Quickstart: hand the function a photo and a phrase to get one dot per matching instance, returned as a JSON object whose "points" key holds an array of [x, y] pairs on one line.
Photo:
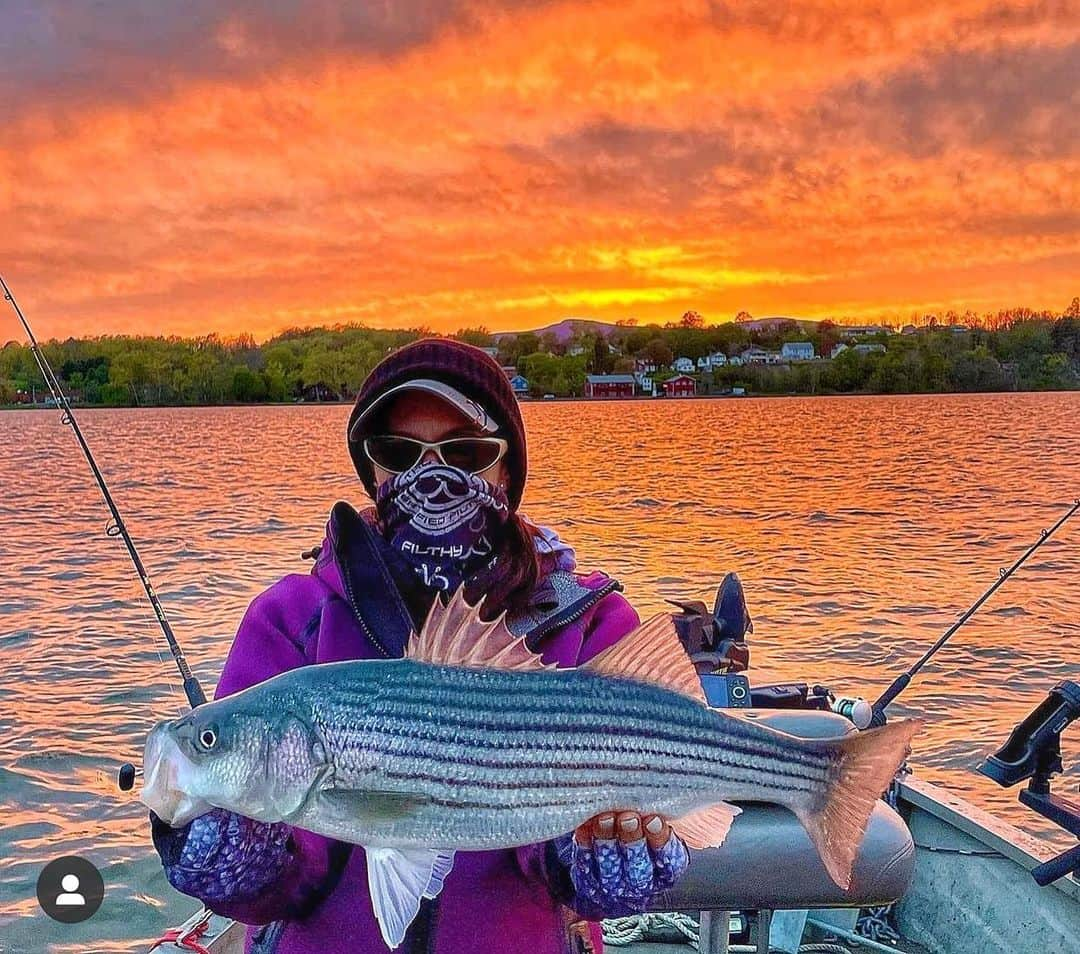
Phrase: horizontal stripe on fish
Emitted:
{"points": [[536, 793], [668, 723], [415, 687], [684, 760], [629, 734]]}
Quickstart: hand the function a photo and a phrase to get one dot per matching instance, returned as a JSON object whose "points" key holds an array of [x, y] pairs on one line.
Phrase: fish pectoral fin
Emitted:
{"points": [[707, 827], [398, 878], [385, 806]]}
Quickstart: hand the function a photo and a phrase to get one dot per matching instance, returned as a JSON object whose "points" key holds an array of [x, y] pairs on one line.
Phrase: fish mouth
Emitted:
{"points": [[167, 774]]}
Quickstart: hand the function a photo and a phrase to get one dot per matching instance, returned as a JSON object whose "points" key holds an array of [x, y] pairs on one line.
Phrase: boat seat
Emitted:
{"points": [[768, 862]]}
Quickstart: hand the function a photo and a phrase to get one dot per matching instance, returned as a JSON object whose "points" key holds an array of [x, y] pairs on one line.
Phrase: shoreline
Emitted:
{"points": [[556, 400]]}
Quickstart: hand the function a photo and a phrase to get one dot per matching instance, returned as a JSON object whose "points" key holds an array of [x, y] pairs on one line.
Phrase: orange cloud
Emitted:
{"points": [[507, 164]]}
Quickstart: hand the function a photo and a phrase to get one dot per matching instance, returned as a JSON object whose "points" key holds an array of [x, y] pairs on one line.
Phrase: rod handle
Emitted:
{"points": [[1049, 871], [194, 692], [901, 683]]}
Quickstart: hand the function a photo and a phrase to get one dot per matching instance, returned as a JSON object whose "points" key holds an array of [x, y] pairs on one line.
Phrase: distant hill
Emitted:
{"points": [[772, 322], [564, 330]]}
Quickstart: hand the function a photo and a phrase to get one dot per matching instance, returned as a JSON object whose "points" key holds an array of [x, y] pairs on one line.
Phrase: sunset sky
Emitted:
{"points": [[229, 166]]}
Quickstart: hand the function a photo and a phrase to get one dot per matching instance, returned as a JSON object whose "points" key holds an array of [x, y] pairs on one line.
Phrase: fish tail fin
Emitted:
{"points": [[836, 820]]}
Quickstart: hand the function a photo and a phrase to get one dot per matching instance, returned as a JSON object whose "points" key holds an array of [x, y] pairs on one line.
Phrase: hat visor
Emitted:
{"points": [[472, 411]]}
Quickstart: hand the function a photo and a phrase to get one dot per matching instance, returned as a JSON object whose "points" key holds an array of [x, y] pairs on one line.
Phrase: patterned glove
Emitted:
{"points": [[221, 856], [614, 879]]}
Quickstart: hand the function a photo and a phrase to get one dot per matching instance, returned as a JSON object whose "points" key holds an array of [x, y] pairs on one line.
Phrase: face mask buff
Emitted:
{"points": [[442, 520]]}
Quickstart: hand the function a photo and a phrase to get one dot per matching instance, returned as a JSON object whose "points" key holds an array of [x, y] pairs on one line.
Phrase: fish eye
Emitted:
{"points": [[207, 738]]}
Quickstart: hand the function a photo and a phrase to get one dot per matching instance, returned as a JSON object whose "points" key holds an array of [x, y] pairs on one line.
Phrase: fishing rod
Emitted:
{"points": [[116, 527], [902, 681]]}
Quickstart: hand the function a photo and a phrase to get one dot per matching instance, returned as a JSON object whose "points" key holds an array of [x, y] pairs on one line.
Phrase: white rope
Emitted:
{"points": [[618, 932]]}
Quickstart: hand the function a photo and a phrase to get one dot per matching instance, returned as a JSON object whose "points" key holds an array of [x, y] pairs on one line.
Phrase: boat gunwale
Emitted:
{"points": [[1017, 846]]}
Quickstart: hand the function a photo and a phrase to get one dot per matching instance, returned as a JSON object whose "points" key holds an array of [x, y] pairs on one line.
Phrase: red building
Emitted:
{"points": [[609, 385], [682, 385]]}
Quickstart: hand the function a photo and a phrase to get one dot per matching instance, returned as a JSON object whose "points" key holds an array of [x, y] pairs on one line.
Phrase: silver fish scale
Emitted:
{"points": [[485, 758]]}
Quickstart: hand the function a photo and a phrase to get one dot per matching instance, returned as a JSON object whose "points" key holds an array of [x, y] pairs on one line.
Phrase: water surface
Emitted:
{"points": [[861, 528]]}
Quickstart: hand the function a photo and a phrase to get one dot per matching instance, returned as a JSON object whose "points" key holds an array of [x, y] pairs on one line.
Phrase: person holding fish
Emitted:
{"points": [[444, 739], [437, 439]]}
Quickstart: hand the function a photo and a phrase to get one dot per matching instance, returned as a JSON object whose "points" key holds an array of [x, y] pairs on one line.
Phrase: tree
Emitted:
{"points": [[478, 336], [549, 342], [691, 319], [658, 352], [744, 316], [828, 337], [1065, 335], [601, 360], [248, 385], [976, 370], [555, 374]]}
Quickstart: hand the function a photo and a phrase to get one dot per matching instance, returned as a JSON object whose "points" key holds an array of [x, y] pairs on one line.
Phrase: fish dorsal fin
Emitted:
{"points": [[454, 635], [651, 653], [707, 827]]}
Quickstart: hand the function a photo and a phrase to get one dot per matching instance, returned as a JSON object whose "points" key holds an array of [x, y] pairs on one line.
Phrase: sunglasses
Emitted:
{"points": [[471, 454]]}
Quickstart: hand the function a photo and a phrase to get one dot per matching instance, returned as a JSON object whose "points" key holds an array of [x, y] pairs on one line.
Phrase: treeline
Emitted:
{"points": [[930, 362], [1010, 350], [313, 364], [1018, 349]]}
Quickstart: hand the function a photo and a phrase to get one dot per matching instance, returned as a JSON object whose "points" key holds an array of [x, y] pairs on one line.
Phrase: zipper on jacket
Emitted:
{"points": [[346, 577], [575, 613]]}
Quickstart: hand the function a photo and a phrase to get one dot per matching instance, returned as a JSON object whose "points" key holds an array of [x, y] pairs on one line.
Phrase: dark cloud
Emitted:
{"points": [[62, 52], [1016, 101], [625, 164], [1020, 103]]}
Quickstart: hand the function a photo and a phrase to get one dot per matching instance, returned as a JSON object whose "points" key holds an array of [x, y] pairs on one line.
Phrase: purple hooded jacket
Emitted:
{"points": [[492, 901]]}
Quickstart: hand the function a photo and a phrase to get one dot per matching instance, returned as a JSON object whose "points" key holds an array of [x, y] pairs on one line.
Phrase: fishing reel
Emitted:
{"points": [[1033, 751]]}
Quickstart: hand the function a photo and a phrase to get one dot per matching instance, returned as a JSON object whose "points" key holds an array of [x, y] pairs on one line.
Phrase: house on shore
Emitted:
{"points": [[797, 351], [757, 355], [609, 385], [858, 331], [645, 383], [683, 365], [863, 349], [682, 385], [520, 385], [715, 360]]}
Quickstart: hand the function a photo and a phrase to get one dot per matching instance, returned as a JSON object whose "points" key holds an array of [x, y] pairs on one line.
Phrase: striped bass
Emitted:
{"points": [[470, 742]]}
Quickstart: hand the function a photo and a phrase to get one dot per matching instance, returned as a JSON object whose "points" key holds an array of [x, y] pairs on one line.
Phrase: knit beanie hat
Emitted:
{"points": [[464, 368]]}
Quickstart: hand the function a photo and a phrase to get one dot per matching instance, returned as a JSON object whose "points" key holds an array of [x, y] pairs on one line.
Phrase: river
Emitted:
{"points": [[861, 527]]}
